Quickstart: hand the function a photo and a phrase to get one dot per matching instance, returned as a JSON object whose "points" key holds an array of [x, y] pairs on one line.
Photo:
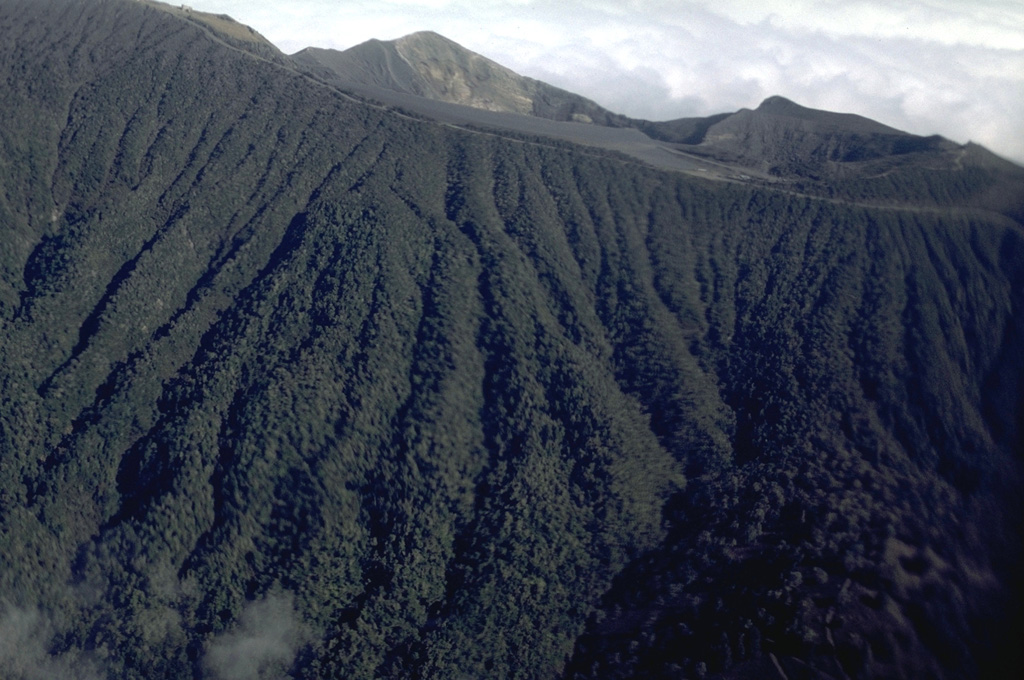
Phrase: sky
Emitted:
{"points": [[949, 67]]}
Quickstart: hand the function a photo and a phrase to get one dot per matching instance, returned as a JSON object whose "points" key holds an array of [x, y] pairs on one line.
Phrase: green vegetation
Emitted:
{"points": [[369, 396]]}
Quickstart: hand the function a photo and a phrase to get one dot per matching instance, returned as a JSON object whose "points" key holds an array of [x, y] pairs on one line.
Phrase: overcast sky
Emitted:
{"points": [[949, 67]]}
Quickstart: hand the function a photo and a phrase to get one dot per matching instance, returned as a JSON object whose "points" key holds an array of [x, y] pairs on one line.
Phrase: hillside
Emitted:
{"points": [[428, 65], [296, 384], [782, 139]]}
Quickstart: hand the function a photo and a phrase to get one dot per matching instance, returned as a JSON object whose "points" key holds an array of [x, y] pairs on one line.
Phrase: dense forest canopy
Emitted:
{"points": [[298, 384]]}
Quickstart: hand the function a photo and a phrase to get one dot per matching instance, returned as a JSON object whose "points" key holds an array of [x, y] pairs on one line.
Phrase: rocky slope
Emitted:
{"points": [[429, 65]]}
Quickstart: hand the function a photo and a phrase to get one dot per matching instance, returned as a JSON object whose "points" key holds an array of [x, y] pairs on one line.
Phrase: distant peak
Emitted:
{"points": [[434, 45], [424, 34], [777, 103], [430, 37]]}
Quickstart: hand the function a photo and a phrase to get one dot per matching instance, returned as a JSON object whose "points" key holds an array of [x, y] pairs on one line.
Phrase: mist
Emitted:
{"points": [[262, 645], [24, 655]]}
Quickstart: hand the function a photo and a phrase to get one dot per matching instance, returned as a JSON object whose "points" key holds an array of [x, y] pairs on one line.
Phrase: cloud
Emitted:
{"points": [[990, 23], [24, 635], [262, 646]]}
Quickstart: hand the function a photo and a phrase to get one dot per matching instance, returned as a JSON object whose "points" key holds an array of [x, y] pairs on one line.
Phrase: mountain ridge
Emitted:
{"points": [[779, 141]]}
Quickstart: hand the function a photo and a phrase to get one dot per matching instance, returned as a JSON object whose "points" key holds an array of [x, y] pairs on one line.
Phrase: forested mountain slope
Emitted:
{"points": [[296, 385]]}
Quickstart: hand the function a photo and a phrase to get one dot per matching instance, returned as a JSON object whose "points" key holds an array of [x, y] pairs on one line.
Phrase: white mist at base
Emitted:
{"points": [[24, 636], [261, 646]]}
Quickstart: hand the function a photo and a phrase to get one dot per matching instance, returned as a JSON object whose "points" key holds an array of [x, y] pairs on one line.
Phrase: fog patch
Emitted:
{"points": [[24, 655], [262, 645]]}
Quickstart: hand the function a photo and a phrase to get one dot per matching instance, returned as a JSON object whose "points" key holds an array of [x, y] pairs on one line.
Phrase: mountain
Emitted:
{"points": [[783, 139], [780, 142], [429, 65], [299, 384]]}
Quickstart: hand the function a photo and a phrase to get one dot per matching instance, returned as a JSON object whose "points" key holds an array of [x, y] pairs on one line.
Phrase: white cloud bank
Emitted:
{"points": [[949, 67]]}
